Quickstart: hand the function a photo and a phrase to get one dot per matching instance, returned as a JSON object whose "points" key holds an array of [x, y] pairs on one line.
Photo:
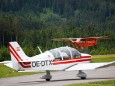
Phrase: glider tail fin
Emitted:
{"points": [[17, 55]]}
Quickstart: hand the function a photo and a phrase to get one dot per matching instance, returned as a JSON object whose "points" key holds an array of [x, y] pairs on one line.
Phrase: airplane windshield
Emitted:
{"points": [[63, 53]]}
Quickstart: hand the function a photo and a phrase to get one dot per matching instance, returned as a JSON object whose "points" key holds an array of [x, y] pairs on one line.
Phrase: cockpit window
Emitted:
{"points": [[56, 54], [63, 53]]}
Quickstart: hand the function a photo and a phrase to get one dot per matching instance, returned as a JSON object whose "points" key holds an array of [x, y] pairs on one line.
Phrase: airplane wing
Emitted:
{"points": [[89, 66], [101, 37], [74, 39], [67, 39], [62, 39]]}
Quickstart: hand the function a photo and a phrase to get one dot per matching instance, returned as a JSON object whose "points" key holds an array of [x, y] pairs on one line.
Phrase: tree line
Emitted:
{"points": [[35, 22]]}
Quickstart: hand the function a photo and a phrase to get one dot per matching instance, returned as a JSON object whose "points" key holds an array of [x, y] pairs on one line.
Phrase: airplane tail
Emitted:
{"points": [[17, 56]]}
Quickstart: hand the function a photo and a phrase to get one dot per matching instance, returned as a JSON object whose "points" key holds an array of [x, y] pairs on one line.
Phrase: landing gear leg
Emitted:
{"points": [[82, 74], [48, 76]]}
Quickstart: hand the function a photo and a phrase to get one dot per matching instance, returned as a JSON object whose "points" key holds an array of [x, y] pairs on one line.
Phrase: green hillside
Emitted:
{"points": [[36, 22]]}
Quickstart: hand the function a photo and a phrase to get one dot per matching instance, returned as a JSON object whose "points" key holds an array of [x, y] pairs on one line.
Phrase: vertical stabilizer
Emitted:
{"points": [[17, 55]]}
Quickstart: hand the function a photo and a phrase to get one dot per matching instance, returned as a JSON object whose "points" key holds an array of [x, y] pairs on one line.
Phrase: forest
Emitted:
{"points": [[34, 23]]}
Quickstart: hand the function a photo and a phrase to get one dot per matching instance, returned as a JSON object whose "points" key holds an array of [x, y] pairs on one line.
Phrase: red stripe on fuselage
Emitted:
{"points": [[81, 59], [24, 66], [85, 56], [26, 63]]}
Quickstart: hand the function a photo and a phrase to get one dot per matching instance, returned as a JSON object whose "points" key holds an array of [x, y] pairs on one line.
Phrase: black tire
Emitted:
{"points": [[83, 77], [47, 79]]}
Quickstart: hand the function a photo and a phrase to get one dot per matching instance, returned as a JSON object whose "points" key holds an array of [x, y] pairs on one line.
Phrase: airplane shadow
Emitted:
{"points": [[61, 80]]}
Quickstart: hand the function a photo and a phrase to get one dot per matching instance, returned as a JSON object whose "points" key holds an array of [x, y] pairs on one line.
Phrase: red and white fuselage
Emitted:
{"points": [[56, 59]]}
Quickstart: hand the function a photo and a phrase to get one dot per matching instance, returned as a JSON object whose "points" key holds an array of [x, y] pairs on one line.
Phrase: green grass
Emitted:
{"points": [[97, 83], [103, 58], [8, 72]]}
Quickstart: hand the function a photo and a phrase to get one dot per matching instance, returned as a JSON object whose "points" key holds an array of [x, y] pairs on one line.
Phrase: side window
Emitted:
{"points": [[76, 54], [59, 58], [56, 54], [65, 56]]}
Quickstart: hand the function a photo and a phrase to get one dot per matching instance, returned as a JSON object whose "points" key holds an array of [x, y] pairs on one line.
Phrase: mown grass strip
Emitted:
{"points": [[97, 83], [103, 58], [8, 72]]}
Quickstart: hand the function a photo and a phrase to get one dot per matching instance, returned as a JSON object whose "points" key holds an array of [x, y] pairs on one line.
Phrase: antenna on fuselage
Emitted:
{"points": [[39, 49]]}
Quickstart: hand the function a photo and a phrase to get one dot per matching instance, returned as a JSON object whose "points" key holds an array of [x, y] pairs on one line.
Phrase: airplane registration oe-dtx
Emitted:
{"points": [[62, 58]]}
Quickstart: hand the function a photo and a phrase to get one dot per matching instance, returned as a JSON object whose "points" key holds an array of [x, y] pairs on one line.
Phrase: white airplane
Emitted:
{"points": [[62, 58]]}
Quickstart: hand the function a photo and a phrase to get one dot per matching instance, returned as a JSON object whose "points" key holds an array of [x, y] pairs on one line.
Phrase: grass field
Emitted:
{"points": [[8, 72], [97, 83], [103, 58]]}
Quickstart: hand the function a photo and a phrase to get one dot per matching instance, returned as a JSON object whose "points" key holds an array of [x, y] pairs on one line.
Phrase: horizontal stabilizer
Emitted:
{"points": [[9, 65], [5, 62]]}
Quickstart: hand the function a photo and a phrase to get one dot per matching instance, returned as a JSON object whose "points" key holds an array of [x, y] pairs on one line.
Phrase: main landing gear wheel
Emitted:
{"points": [[82, 74], [83, 77], [47, 77]]}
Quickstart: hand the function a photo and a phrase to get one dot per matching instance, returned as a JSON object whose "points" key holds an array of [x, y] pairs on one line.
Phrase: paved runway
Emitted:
{"points": [[60, 78]]}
